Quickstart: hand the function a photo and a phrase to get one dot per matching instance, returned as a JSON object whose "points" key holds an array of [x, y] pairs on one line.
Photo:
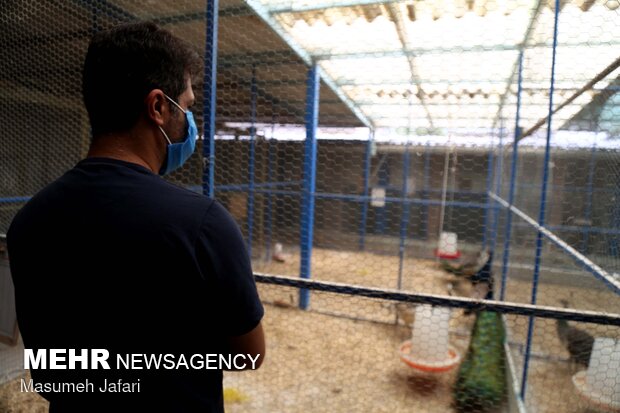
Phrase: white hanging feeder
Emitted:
{"points": [[429, 350], [599, 385], [447, 247]]}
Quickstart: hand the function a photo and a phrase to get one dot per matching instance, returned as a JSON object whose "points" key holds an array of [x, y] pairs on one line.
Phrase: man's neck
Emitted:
{"points": [[114, 147]]}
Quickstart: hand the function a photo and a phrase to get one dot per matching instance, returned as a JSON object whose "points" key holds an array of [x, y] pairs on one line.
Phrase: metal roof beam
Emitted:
{"points": [[446, 50], [515, 67], [108, 9], [414, 52], [613, 66], [401, 31], [267, 17], [324, 5], [389, 84], [270, 58], [236, 11]]}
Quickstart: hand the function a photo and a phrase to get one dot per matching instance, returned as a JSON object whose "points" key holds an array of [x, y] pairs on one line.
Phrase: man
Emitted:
{"points": [[112, 256]]}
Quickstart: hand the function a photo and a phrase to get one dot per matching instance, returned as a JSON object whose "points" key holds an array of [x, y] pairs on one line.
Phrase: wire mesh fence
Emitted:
{"points": [[402, 145]]}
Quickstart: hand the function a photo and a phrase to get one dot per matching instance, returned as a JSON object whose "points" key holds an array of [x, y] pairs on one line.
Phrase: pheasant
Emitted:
{"points": [[579, 343]]}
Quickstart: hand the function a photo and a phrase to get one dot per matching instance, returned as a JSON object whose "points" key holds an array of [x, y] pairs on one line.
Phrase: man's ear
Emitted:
{"points": [[156, 110]]}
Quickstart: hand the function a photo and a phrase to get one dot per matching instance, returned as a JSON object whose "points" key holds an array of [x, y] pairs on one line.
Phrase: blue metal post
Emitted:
{"points": [[498, 184], [513, 178], [250, 212], [209, 90], [614, 241], [268, 217], [384, 182], [588, 208], [367, 159], [427, 174], [309, 184], [543, 205], [489, 187], [404, 218]]}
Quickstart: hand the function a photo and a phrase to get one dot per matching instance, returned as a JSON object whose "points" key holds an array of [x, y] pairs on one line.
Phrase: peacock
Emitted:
{"points": [[579, 343], [481, 382]]}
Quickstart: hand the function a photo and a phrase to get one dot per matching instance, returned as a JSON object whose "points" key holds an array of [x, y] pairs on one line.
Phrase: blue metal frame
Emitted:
{"points": [[361, 198], [490, 163], [498, 184], [367, 161], [588, 208], [250, 211], [384, 181], [404, 218], [579, 258], [543, 205], [14, 199], [570, 188], [310, 154], [268, 213], [427, 174], [614, 242], [513, 178], [209, 90], [244, 187]]}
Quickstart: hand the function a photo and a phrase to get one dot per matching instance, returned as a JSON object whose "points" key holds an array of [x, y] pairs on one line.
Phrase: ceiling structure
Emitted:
{"points": [[437, 67], [422, 67]]}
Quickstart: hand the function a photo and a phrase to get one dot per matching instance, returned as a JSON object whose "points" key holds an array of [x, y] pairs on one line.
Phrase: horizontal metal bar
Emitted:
{"points": [[261, 191], [257, 185], [502, 307], [404, 103], [570, 188], [574, 228], [601, 274], [320, 56], [269, 57], [235, 11], [454, 82], [411, 201], [181, 18], [14, 199], [362, 198]]}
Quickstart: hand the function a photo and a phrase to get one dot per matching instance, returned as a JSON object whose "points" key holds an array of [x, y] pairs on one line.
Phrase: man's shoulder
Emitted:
{"points": [[174, 193]]}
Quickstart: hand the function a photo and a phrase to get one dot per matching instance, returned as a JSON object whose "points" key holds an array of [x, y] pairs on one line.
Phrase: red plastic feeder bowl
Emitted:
{"points": [[452, 359]]}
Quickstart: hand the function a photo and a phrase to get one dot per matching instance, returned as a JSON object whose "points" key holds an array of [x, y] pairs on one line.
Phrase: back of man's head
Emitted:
{"points": [[124, 64]]}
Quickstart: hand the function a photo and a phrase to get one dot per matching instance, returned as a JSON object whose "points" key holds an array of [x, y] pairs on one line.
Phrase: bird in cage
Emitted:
{"points": [[405, 312], [467, 267], [579, 343], [278, 253], [477, 271]]}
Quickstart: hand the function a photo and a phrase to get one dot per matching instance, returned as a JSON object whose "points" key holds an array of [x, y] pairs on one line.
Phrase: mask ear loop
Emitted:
{"points": [[165, 135], [177, 105], [182, 110]]}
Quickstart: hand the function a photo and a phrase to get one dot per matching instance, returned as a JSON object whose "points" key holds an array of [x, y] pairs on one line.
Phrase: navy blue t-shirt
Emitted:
{"points": [[112, 256]]}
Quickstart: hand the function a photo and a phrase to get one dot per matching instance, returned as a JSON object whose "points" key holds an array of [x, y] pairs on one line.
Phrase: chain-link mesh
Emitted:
{"points": [[407, 178]]}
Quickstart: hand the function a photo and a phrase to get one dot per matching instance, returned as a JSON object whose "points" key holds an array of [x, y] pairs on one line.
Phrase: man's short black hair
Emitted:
{"points": [[124, 64]]}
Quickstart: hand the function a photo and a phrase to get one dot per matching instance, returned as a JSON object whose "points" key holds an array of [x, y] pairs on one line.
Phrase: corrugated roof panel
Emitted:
{"points": [[454, 59], [368, 69], [493, 30], [360, 36]]}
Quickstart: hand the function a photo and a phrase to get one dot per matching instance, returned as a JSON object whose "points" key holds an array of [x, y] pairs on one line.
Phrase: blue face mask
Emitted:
{"points": [[178, 153]]}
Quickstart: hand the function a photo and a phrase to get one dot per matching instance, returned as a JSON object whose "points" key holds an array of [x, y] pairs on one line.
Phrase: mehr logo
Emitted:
{"points": [[63, 359]]}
